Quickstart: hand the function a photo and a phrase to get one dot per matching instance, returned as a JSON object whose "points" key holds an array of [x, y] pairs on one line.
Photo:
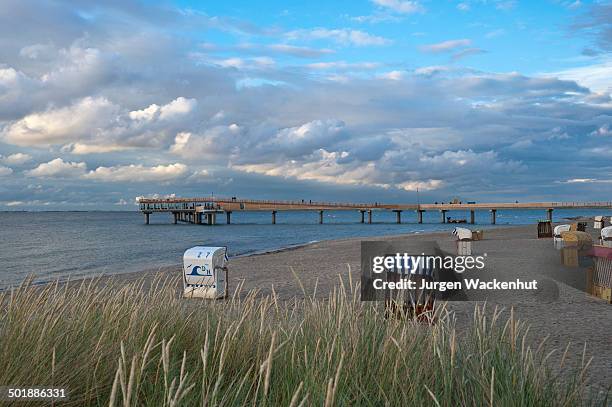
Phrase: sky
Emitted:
{"points": [[102, 102]]}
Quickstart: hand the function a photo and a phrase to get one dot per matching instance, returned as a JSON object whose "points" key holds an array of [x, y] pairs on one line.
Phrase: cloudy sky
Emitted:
{"points": [[368, 100]]}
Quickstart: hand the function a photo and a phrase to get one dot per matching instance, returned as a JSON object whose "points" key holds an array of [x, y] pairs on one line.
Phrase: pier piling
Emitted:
{"points": [[420, 215], [362, 212], [493, 213], [370, 216], [228, 216], [443, 215], [472, 216], [549, 214], [398, 216], [320, 217], [274, 217]]}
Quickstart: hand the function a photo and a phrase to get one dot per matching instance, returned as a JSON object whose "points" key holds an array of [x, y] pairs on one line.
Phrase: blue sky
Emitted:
{"points": [[102, 102]]}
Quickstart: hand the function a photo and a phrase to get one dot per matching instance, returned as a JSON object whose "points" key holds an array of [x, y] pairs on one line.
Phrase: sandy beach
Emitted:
{"points": [[567, 316]]}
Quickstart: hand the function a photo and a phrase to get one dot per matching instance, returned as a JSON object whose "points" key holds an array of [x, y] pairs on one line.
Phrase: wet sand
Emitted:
{"points": [[566, 314]]}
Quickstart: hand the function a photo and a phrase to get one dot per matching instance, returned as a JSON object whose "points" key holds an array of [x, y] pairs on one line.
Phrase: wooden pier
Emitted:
{"points": [[205, 210]]}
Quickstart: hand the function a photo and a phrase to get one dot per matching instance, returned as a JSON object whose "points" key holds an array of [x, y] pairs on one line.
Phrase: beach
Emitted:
{"points": [[567, 316]]}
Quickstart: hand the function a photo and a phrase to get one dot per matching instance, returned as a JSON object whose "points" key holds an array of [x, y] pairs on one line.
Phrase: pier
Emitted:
{"points": [[204, 211]]}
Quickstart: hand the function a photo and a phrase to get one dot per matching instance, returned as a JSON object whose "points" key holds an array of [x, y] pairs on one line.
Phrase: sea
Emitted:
{"points": [[49, 246]]}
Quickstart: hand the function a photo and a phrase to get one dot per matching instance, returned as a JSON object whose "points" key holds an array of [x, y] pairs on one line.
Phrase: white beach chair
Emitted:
{"points": [[464, 241], [557, 233], [606, 236]]}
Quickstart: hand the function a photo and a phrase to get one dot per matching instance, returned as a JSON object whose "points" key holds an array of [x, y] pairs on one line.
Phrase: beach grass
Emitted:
{"points": [[111, 343]]}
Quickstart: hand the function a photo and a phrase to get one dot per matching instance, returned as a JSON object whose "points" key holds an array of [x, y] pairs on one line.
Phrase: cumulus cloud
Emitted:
{"points": [[428, 185], [138, 173], [65, 124], [58, 168], [16, 159], [178, 107], [320, 166], [97, 125], [4, 171]]}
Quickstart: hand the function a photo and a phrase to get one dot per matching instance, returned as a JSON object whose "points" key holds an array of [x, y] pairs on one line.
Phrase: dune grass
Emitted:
{"points": [[117, 344]]}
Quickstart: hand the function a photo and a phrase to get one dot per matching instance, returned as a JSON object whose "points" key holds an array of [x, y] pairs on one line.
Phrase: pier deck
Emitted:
{"points": [[205, 210]]}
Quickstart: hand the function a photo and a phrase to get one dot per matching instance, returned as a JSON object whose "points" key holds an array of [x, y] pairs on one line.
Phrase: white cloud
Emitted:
{"points": [[16, 159], [392, 75], [400, 6], [463, 6], [138, 173], [595, 77], [87, 116], [4, 171], [214, 144], [146, 114], [180, 143], [97, 125], [58, 168], [321, 166], [428, 185], [178, 107], [344, 36], [603, 131], [580, 180], [84, 148], [446, 46]]}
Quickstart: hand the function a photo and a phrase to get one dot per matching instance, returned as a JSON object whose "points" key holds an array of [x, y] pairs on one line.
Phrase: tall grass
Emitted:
{"points": [[128, 345]]}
